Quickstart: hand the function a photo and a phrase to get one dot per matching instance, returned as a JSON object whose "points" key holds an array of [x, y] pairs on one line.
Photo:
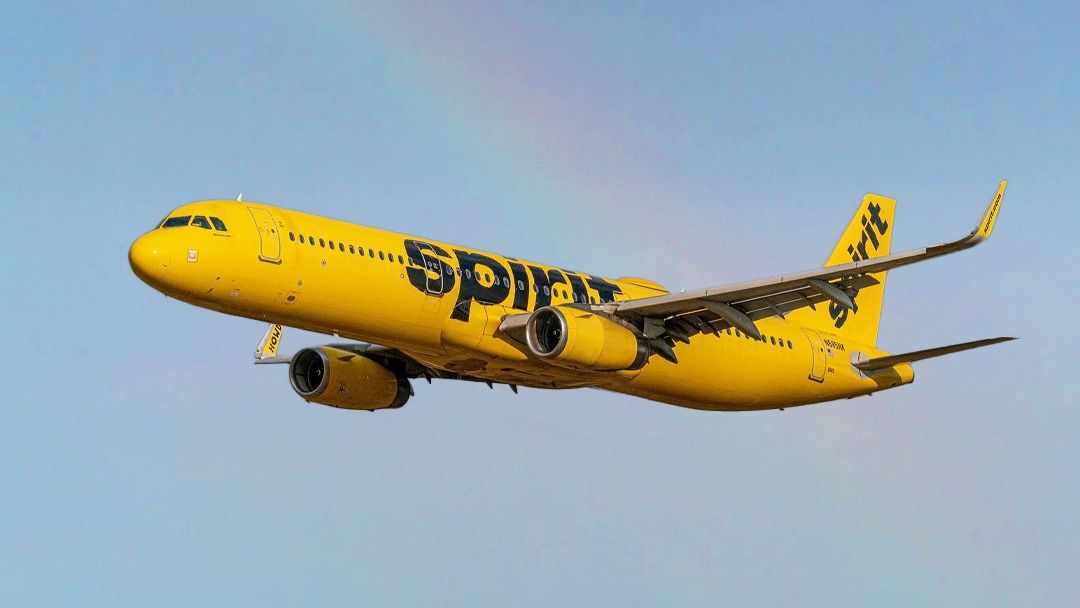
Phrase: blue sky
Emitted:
{"points": [[146, 460]]}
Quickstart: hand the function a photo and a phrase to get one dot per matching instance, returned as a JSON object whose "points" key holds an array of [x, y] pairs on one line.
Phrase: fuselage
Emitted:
{"points": [[442, 304]]}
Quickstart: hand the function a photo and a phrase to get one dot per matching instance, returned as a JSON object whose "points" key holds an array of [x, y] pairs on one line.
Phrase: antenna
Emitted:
{"points": [[240, 197]]}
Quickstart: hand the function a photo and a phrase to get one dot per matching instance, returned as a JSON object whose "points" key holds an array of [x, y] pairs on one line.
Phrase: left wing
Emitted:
{"points": [[391, 358]]}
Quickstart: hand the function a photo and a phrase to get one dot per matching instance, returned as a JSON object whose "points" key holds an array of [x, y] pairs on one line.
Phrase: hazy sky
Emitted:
{"points": [[145, 461]]}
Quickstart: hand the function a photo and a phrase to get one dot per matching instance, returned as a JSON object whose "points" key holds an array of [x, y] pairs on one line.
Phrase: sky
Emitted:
{"points": [[145, 461]]}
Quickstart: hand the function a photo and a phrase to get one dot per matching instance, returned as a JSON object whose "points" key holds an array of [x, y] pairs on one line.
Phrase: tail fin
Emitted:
{"points": [[868, 235]]}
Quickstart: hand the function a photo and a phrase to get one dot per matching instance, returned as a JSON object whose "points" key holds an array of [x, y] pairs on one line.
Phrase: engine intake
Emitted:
{"points": [[339, 378], [579, 339]]}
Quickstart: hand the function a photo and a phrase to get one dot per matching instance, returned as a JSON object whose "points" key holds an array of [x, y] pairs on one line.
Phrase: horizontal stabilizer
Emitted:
{"points": [[891, 360]]}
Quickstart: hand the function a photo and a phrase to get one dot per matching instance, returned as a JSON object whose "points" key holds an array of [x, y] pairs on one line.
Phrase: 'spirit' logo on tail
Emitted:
{"points": [[873, 226]]}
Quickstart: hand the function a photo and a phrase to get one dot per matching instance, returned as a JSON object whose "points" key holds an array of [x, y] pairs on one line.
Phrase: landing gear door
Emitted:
{"points": [[269, 238], [817, 349]]}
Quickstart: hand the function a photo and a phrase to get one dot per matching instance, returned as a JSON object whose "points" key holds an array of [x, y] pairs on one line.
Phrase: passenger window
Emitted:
{"points": [[322, 243], [218, 224], [311, 241], [789, 344], [773, 340], [738, 334], [506, 282], [351, 249], [201, 222], [331, 244], [360, 250], [401, 260], [292, 237], [546, 291], [371, 253], [381, 256], [301, 239], [341, 246], [176, 222]]}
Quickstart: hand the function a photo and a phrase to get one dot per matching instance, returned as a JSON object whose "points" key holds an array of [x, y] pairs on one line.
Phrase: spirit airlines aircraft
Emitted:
{"points": [[424, 308]]}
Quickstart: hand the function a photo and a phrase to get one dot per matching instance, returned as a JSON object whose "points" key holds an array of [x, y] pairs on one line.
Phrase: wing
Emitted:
{"points": [[665, 319], [392, 358]]}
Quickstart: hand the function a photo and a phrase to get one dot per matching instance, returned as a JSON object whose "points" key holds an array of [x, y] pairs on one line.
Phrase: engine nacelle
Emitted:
{"points": [[339, 378], [579, 339]]}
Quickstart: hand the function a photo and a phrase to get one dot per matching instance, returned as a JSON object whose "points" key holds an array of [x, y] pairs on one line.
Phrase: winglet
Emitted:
{"points": [[986, 225], [268, 347]]}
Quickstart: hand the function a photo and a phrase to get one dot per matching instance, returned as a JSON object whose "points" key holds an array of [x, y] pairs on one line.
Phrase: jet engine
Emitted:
{"points": [[339, 378], [569, 337]]}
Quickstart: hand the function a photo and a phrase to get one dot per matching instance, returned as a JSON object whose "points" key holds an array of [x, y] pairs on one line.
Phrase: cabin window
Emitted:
{"points": [[520, 285], [352, 249], [322, 243], [401, 260], [292, 237], [218, 224], [176, 222], [789, 344], [311, 241], [201, 222], [360, 250], [371, 253], [773, 340], [381, 257], [547, 292], [301, 239], [331, 244]]}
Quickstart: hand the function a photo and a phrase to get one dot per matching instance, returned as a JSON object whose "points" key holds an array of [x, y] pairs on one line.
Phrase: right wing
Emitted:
{"points": [[665, 319]]}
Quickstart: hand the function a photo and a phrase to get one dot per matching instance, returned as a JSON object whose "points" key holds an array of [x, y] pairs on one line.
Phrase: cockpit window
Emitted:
{"points": [[218, 224], [201, 222], [176, 222]]}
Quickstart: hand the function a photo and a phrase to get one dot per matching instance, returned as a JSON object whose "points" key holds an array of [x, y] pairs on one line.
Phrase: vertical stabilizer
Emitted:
{"points": [[868, 235]]}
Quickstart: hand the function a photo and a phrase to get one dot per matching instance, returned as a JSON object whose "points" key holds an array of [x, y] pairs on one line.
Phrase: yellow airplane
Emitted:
{"points": [[426, 309]]}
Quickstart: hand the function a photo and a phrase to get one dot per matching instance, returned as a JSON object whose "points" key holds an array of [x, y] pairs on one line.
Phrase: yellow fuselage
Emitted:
{"points": [[442, 305]]}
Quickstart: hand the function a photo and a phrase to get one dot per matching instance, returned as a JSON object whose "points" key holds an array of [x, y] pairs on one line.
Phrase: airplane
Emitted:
{"points": [[414, 308]]}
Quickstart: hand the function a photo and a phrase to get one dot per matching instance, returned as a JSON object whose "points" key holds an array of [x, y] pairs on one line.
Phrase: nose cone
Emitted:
{"points": [[149, 259]]}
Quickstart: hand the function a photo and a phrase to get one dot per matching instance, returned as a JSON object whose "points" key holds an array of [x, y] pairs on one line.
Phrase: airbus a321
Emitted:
{"points": [[407, 307]]}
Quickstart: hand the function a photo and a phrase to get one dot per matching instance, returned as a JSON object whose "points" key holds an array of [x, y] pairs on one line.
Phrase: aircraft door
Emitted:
{"points": [[434, 272], [817, 351], [269, 238]]}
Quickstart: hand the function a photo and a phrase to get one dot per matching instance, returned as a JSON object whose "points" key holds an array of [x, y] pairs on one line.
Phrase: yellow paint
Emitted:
{"points": [[255, 269], [868, 235]]}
